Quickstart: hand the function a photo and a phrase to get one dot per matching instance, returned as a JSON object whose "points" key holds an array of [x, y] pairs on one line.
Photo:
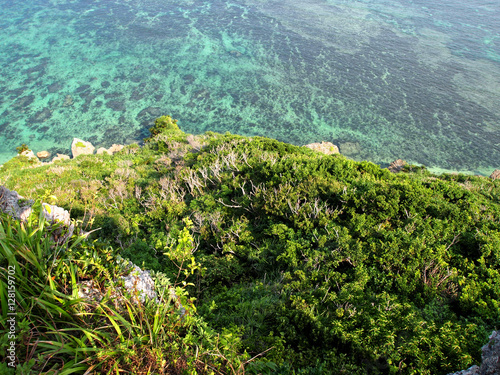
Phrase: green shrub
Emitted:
{"points": [[22, 148], [163, 125]]}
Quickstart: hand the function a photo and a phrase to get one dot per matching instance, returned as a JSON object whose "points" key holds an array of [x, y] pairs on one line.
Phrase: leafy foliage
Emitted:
{"points": [[58, 332], [22, 148], [311, 263], [163, 124]]}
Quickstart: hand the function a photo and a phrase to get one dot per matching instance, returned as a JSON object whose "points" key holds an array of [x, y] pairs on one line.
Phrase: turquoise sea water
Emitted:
{"points": [[418, 80]]}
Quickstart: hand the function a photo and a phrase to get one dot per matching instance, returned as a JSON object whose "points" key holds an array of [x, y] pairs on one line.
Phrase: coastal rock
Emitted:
{"points": [[139, 284], [20, 209], [490, 363], [101, 150], [79, 147], [495, 174], [474, 370], [115, 148], [60, 157], [490, 358], [43, 154], [112, 150], [30, 155], [397, 166], [14, 204], [326, 148], [54, 214]]}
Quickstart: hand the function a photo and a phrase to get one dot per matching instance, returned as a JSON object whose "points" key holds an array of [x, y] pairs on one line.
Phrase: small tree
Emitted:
{"points": [[163, 124], [22, 148]]}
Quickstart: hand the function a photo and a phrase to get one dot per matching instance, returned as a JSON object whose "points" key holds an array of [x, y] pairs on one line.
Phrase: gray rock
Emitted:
{"points": [[139, 283], [474, 370], [20, 209], [87, 290], [495, 174], [491, 356], [490, 359], [80, 147], [14, 204], [54, 214]]}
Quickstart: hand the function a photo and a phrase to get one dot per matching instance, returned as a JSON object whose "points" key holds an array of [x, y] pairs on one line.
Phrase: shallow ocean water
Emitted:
{"points": [[383, 79]]}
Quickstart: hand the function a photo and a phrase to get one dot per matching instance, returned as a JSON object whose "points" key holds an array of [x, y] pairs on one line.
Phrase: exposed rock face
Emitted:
{"points": [[88, 290], [14, 204], [101, 150], [79, 147], [54, 214], [115, 148], [490, 359], [495, 174], [112, 150], [60, 157], [397, 165], [30, 155], [491, 355], [43, 154], [474, 370], [19, 208], [326, 148], [139, 283]]}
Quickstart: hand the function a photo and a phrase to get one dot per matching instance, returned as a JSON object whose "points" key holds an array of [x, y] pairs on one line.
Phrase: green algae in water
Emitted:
{"points": [[381, 79]]}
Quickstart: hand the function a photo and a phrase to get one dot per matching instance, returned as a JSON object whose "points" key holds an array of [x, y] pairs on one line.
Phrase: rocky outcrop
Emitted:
{"points": [[112, 150], [495, 175], [14, 204], [397, 165], [54, 214], [20, 209], [138, 283], [43, 154], [80, 147], [115, 148], [60, 157], [30, 155], [326, 148], [490, 359]]}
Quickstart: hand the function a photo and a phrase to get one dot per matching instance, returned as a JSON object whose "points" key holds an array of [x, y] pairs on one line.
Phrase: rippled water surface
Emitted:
{"points": [[418, 80]]}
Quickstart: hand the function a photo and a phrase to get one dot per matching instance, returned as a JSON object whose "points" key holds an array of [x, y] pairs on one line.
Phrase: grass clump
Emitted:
{"points": [[58, 332]]}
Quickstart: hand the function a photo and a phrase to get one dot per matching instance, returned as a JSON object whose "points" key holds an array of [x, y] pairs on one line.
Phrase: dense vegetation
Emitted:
{"points": [[313, 263]]}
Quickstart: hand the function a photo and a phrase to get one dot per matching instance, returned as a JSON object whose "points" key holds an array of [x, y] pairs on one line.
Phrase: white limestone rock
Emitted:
{"points": [[60, 157], [80, 147]]}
